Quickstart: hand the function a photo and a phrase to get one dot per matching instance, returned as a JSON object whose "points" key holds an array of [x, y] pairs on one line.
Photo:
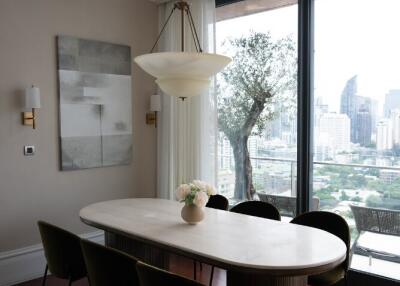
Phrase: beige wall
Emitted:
{"points": [[33, 188]]}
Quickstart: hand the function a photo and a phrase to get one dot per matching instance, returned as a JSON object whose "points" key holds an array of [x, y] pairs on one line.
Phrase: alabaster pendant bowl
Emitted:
{"points": [[182, 74]]}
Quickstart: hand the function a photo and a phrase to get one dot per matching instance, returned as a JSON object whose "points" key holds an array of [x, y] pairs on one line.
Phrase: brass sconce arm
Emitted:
{"points": [[29, 118]]}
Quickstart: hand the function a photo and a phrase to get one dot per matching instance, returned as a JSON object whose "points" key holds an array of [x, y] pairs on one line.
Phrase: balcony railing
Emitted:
{"points": [[282, 181]]}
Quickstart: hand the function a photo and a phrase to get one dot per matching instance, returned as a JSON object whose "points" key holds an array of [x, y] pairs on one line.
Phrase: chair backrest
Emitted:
{"points": [[152, 276], [330, 222], [286, 205], [218, 202], [376, 220], [257, 208], [63, 252], [108, 267]]}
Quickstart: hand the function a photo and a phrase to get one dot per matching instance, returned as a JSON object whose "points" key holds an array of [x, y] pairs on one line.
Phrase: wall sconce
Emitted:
{"points": [[155, 106], [32, 102]]}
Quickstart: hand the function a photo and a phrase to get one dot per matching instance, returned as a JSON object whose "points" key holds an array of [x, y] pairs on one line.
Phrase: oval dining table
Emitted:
{"points": [[254, 251]]}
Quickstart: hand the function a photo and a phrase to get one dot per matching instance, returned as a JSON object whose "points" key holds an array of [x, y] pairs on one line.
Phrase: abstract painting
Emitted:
{"points": [[95, 103]]}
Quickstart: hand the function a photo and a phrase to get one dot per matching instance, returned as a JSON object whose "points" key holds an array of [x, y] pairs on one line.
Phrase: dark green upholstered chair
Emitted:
{"points": [[258, 209], [152, 276], [336, 225], [63, 253], [109, 267]]}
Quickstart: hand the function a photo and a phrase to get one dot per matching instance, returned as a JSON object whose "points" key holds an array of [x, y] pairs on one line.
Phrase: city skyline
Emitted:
{"points": [[357, 45]]}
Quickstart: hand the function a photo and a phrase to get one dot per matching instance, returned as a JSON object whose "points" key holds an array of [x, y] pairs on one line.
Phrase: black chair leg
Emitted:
{"points": [[70, 282], [194, 270], [212, 274], [45, 276]]}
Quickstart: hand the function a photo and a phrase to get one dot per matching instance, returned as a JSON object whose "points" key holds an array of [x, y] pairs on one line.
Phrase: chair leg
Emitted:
{"points": [[194, 270], [212, 274], [88, 279], [45, 275], [70, 282]]}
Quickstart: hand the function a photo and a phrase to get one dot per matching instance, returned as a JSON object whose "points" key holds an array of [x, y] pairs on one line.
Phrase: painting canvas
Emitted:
{"points": [[95, 103]]}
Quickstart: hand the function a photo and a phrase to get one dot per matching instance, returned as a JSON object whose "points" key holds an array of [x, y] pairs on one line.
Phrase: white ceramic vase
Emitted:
{"points": [[192, 214]]}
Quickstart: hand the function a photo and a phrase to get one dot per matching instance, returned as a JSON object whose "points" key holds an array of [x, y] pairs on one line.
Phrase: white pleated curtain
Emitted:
{"points": [[187, 129]]}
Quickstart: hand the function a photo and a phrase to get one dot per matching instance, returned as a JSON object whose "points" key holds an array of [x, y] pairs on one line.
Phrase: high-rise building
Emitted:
{"points": [[322, 147], [395, 121], [384, 135], [336, 127], [225, 153], [364, 128], [388, 176], [348, 105], [372, 105], [374, 114], [319, 109], [392, 101], [284, 126], [253, 144]]}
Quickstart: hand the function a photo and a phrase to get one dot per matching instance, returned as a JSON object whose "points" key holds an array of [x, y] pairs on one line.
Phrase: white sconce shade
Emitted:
{"points": [[32, 97], [155, 102]]}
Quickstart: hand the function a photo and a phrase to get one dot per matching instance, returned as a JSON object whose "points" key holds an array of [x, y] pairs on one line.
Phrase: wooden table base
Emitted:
{"points": [[160, 258], [138, 249], [234, 278]]}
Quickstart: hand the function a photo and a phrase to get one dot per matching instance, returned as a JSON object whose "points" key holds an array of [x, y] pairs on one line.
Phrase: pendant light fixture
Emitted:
{"points": [[182, 74]]}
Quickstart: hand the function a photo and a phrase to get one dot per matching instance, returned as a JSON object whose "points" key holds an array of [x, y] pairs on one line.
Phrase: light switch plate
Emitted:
{"points": [[29, 150]]}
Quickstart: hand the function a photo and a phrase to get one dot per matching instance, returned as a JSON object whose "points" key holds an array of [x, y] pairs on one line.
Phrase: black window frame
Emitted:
{"points": [[305, 83]]}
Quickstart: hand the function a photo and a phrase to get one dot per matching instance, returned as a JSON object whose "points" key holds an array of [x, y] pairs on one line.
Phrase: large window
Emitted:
{"points": [[257, 105], [357, 125]]}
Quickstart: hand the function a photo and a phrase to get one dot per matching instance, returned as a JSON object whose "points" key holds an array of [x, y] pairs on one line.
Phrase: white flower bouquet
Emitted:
{"points": [[196, 193]]}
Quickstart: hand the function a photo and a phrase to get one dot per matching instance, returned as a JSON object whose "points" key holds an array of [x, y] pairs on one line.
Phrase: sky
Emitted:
{"points": [[351, 37]]}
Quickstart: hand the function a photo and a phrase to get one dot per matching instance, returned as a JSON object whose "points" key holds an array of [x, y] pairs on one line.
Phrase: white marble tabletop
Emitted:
{"points": [[228, 238]]}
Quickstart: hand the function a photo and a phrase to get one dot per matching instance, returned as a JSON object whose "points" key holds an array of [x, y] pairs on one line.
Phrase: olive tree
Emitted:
{"points": [[261, 77]]}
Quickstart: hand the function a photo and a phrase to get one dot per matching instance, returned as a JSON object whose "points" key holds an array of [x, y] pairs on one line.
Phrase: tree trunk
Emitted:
{"points": [[244, 188]]}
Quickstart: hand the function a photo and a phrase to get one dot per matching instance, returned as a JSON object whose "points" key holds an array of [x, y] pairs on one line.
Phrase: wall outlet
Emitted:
{"points": [[29, 150]]}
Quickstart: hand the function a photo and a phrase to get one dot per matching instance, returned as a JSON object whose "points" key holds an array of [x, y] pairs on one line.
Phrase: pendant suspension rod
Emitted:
{"points": [[184, 7], [194, 28], [163, 28], [198, 48], [183, 29]]}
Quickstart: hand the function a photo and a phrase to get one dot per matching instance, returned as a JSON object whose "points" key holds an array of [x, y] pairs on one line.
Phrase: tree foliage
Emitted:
{"points": [[263, 73], [260, 81]]}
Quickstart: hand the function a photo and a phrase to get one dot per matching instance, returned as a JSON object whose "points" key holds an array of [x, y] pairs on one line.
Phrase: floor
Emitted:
{"points": [[178, 265]]}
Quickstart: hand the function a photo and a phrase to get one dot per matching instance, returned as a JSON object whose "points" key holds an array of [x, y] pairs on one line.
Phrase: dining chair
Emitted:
{"points": [[109, 267], [63, 253], [152, 276], [336, 225], [258, 209], [218, 202]]}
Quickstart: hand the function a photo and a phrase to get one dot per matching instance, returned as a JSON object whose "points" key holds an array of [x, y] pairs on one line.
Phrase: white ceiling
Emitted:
{"points": [[159, 1], [248, 7]]}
